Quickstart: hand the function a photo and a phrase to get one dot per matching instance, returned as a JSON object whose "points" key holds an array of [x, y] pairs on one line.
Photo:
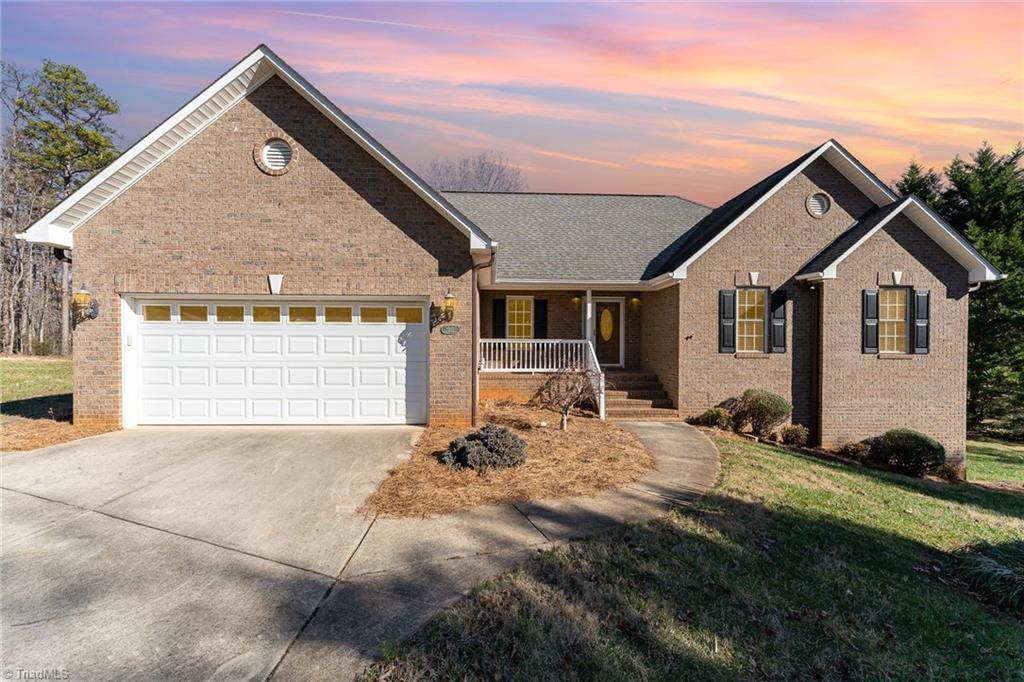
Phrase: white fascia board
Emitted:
{"points": [[979, 269], [478, 239], [50, 235], [132, 152], [852, 165]]}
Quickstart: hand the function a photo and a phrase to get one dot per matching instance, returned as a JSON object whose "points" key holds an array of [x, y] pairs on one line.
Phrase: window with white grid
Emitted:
{"points": [[750, 309], [519, 322], [892, 320]]}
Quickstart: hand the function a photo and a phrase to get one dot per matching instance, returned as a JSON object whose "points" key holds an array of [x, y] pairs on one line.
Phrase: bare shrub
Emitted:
{"points": [[568, 388]]}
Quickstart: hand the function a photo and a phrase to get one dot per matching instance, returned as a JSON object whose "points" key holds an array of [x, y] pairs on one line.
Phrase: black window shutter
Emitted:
{"points": [[921, 314], [777, 336], [540, 318], [727, 321], [870, 321], [498, 318]]}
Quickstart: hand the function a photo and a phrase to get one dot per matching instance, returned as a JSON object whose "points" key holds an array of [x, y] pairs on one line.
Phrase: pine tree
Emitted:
{"points": [[67, 140]]}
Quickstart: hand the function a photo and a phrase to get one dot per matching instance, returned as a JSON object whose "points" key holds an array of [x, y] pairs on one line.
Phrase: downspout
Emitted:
{"points": [[475, 333], [61, 254]]}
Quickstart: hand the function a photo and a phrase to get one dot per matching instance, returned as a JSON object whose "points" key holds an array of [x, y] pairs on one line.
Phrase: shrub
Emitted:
{"points": [[994, 571], [715, 417], [490, 447], [762, 410], [856, 450], [795, 434], [912, 452]]}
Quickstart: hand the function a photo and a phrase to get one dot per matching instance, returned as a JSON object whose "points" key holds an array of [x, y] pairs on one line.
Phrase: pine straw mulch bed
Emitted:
{"points": [[591, 456], [18, 433]]}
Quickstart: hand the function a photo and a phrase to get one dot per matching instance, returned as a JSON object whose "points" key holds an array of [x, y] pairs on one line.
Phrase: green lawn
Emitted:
{"points": [[993, 460], [791, 568], [22, 378]]}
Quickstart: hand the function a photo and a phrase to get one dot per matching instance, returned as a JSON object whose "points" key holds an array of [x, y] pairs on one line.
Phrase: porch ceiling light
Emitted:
{"points": [[576, 300]]}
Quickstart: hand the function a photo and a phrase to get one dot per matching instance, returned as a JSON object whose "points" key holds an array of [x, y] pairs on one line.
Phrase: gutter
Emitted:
{"points": [[475, 334]]}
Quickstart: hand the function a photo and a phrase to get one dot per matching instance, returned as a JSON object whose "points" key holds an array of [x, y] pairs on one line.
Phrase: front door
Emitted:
{"points": [[608, 332]]}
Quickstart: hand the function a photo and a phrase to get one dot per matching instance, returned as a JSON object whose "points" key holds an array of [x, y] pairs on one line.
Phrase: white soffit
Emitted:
{"points": [[57, 226], [831, 151]]}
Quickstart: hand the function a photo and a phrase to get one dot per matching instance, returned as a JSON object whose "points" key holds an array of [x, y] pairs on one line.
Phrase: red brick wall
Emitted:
{"points": [[776, 240], [864, 395], [659, 345], [860, 395], [208, 221]]}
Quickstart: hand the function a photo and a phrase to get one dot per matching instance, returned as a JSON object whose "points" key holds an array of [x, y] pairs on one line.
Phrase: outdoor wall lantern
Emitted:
{"points": [[446, 311], [83, 306]]}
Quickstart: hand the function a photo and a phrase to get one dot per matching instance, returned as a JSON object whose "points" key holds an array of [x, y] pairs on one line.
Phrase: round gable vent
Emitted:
{"points": [[277, 154], [818, 204]]}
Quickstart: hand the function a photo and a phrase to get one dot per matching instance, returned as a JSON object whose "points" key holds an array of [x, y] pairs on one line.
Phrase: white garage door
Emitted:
{"points": [[254, 362]]}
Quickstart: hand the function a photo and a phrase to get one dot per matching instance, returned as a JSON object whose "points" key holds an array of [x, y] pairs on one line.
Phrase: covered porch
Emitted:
{"points": [[526, 335]]}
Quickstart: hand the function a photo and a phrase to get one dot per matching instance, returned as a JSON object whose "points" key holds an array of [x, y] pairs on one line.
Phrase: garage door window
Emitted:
{"points": [[156, 313], [302, 313], [192, 313], [337, 314], [230, 313], [409, 315], [368, 315], [266, 313]]}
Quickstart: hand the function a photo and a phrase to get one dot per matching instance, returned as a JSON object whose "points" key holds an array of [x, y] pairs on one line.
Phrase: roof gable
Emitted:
{"points": [[825, 264], [693, 244], [56, 228]]}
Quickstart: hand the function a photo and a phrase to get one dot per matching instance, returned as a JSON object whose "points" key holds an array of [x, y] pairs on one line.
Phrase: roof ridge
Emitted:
{"points": [[576, 194]]}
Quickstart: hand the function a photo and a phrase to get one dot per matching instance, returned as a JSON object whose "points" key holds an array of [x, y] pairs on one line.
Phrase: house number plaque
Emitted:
{"points": [[450, 329]]}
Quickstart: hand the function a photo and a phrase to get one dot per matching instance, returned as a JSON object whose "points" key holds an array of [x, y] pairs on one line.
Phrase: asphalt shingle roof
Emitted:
{"points": [[838, 246], [578, 237]]}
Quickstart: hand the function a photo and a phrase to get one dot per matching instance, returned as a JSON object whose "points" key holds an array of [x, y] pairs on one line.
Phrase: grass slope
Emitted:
{"points": [[993, 460], [790, 568], [22, 378]]}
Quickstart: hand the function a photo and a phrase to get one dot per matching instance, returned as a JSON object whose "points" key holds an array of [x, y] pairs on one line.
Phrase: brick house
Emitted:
{"points": [[260, 258]]}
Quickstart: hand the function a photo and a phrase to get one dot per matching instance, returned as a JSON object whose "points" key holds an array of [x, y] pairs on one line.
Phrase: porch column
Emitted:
{"points": [[588, 318]]}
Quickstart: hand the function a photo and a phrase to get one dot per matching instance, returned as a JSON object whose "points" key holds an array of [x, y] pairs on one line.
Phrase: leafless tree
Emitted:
{"points": [[487, 172], [567, 388]]}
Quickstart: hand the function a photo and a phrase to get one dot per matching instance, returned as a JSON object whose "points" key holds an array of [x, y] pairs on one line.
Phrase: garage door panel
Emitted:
{"points": [[343, 371], [302, 345], [157, 344], [266, 345], [229, 345], [266, 376], [194, 344], [339, 346], [229, 376]]}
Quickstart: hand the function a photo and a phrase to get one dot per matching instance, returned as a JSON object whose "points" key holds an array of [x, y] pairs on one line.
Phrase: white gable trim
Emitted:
{"points": [[979, 269], [56, 228], [851, 169]]}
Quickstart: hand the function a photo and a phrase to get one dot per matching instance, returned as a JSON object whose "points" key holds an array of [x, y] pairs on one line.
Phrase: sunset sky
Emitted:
{"points": [[699, 100]]}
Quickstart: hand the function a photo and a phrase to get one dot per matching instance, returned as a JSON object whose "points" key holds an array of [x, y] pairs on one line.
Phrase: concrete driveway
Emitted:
{"points": [[238, 552]]}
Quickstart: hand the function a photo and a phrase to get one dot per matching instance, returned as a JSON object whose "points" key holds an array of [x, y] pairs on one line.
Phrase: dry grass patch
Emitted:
{"points": [[591, 456]]}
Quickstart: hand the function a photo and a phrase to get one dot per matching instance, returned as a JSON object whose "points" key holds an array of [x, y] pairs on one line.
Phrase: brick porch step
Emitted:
{"points": [[648, 393], [637, 395], [636, 403], [649, 414]]}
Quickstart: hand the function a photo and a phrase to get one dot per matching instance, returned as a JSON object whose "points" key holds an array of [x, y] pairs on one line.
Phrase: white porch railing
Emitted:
{"points": [[542, 355]]}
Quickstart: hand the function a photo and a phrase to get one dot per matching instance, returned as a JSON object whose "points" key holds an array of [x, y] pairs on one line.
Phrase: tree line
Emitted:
{"points": [[55, 137]]}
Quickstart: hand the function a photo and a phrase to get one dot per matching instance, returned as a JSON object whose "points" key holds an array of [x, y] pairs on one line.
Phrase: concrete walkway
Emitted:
{"points": [[406, 570], [191, 553]]}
